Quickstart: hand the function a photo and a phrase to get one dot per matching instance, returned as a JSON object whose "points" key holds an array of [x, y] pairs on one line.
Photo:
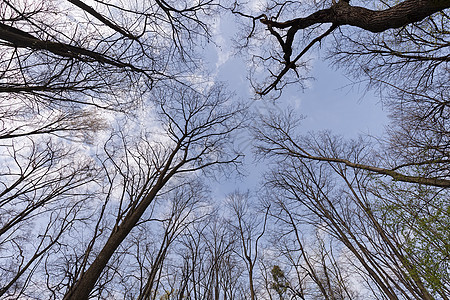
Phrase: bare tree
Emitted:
{"points": [[197, 136], [61, 63], [42, 195], [84, 247], [363, 192], [186, 205], [205, 265], [83, 218], [289, 37], [343, 200], [250, 230], [75, 51], [307, 261], [377, 49], [60, 60]]}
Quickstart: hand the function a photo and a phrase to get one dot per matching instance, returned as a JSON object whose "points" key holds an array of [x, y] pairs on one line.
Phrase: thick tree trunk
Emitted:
{"points": [[83, 287], [86, 283], [342, 13]]}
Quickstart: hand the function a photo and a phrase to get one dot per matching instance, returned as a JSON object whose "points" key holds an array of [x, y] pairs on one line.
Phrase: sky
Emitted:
{"points": [[330, 102]]}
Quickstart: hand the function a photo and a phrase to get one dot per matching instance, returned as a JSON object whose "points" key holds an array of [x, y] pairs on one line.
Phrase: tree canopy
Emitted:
{"points": [[114, 134]]}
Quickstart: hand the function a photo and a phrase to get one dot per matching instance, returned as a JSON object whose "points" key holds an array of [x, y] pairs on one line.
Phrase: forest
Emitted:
{"points": [[117, 139]]}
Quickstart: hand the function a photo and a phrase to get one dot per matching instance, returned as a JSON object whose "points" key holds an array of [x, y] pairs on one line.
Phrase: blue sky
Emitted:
{"points": [[331, 101]]}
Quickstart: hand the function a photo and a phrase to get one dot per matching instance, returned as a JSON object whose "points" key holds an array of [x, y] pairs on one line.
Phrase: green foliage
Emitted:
{"points": [[280, 283], [419, 219], [167, 294]]}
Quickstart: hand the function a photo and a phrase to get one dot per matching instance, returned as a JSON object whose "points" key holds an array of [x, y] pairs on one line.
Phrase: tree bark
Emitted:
{"points": [[86, 283], [342, 13], [21, 39], [396, 176]]}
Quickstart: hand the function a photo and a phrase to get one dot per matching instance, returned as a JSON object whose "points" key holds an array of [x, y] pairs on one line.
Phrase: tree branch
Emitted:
{"points": [[342, 13], [395, 175], [101, 18], [22, 39]]}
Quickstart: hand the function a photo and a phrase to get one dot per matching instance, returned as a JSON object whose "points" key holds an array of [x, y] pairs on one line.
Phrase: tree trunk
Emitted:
{"points": [[86, 283], [342, 13]]}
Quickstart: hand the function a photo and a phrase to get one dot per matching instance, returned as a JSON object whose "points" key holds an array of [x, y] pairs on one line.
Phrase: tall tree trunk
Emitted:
{"points": [[83, 287]]}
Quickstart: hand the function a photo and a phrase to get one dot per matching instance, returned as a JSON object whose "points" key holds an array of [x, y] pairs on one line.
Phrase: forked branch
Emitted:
{"points": [[342, 13]]}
